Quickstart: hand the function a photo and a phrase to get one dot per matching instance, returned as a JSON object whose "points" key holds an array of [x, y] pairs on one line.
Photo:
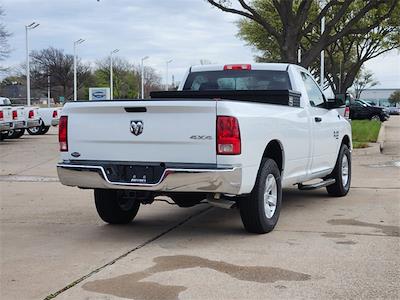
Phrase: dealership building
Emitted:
{"points": [[378, 97]]}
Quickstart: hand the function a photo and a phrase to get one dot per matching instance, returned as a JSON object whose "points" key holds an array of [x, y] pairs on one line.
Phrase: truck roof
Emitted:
{"points": [[254, 66]]}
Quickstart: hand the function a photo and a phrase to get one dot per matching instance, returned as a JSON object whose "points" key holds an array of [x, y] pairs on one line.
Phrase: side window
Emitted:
{"points": [[197, 82], [314, 93]]}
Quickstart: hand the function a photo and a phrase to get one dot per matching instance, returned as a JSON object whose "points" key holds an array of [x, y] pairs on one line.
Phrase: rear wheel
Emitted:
{"points": [[15, 134], [260, 211], [36, 130], [44, 129], [341, 173], [115, 207]]}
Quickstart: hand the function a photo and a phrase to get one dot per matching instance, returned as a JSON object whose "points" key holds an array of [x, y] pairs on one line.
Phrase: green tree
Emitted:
{"points": [[287, 24], [126, 78], [394, 98], [345, 56]]}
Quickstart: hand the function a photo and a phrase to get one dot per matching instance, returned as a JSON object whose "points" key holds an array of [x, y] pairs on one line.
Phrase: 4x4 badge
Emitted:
{"points": [[137, 127]]}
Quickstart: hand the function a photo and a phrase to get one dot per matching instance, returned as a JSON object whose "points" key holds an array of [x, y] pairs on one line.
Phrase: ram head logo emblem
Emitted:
{"points": [[137, 127]]}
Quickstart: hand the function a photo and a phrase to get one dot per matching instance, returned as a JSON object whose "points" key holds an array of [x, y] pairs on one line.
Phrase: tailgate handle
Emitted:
{"points": [[135, 109]]}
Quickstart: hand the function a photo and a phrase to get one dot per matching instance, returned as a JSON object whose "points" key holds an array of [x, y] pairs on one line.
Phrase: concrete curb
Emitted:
{"points": [[381, 136], [374, 148]]}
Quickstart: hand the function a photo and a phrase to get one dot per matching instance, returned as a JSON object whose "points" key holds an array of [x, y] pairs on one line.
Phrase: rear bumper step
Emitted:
{"points": [[324, 183], [221, 180]]}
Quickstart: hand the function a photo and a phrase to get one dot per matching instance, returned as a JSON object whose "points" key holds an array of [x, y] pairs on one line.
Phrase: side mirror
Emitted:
{"points": [[334, 103]]}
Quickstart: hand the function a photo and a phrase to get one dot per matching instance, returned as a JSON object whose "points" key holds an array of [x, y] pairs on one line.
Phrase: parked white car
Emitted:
{"points": [[47, 117], [232, 134]]}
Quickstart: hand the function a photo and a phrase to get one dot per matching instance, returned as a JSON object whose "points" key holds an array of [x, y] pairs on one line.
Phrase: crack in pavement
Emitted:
{"points": [[338, 232], [97, 270], [375, 188], [27, 178], [32, 167]]}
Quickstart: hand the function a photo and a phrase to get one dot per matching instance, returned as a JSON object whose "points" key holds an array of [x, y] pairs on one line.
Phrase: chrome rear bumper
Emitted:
{"points": [[5, 126], [33, 123], [221, 180], [19, 125]]}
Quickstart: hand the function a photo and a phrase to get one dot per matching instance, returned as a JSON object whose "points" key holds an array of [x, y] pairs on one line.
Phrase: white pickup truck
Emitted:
{"points": [[232, 134], [47, 117]]}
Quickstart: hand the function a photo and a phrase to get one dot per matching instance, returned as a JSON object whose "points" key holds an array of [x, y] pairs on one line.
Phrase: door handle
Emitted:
{"points": [[318, 119]]}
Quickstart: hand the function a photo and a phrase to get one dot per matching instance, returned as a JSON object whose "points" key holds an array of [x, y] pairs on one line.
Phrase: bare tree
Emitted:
{"points": [[4, 35], [363, 80], [59, 66]]}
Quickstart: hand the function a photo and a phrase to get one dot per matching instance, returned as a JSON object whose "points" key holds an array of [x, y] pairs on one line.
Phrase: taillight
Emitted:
{"points": [[237, 67], [63, 133], [31, 114], [55, 113], [14, 115], [228, 136], [347, 112], [1, 116]]}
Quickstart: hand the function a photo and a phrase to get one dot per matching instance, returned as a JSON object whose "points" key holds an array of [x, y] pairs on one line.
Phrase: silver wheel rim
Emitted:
{"points": [[34, 129], [345, 170], [270, 196], [376, 118]]}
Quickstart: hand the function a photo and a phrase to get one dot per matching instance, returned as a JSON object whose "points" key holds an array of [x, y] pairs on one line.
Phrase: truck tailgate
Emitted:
{"points": [[142, 131]]}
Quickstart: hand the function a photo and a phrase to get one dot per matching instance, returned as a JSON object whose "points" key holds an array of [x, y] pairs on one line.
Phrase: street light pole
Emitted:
{"points": [[78, 42], [166, 77], [111, 74], [48, 89], [28, 70], [143, 59], [322, 75]]}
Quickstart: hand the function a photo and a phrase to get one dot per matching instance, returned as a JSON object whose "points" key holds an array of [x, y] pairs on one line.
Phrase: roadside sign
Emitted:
{"points": [[99, 94]]}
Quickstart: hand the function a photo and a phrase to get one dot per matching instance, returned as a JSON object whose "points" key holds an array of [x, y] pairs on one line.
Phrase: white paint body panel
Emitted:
{"points": [[168, 128], [46, 115], [101, 131]]}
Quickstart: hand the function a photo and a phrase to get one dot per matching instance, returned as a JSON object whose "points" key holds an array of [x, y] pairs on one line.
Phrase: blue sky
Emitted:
{"points": [[183, 30]]}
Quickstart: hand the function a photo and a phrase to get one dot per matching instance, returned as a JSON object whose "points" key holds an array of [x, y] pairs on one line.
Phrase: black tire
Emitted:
{"points": [[114, 208], [44, 129], [187, 199], [36, 130], [340, 188], [252, 208], [15, 134]]}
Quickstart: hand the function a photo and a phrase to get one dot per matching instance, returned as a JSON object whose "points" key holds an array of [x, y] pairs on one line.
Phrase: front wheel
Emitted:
{"points": [[341, 173], [376, 118], [260, 211], [115, 207]]}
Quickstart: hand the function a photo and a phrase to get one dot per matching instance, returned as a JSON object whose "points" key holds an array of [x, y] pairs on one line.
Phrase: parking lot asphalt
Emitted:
{"points": [[54, 244]]}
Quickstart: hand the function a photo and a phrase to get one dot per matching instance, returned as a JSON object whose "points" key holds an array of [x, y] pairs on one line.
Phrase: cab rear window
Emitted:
{"points": [[237, 80]]}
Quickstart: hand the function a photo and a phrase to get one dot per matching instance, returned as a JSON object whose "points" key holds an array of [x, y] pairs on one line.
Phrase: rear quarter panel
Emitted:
{"points": [[260, 124]]}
